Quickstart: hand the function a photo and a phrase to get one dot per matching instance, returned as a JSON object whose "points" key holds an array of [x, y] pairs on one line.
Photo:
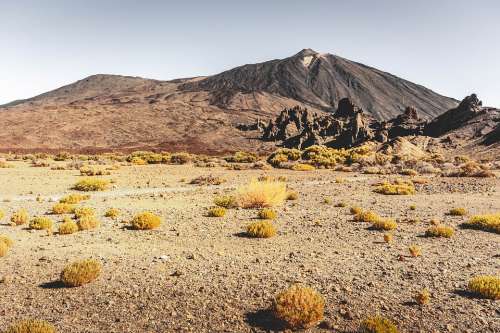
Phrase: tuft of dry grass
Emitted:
{"points": [[91, 184], [4, 249], [6, 240], [396, 188], [440, 231], [486, 222], [217, 212], [63, 208], [31, 326], [88, 222], [261, 229], [145, 221], [267, 214], [377, 324], [74, 198], [20, 217], [415, 250], [355, 210], [388, 237], [2, 214], [259, 194], [84, 211], [303, 167], [459, 211], [226, 201], [486, 286], [292, 195], [112, 213], [81, 272], [41, 223], [423, 297], [384, 224], [366, 216], [299, 307], [68, 227]]}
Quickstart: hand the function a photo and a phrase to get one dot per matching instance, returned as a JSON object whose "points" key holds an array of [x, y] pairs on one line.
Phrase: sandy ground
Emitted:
{"points": [[196, 274]]}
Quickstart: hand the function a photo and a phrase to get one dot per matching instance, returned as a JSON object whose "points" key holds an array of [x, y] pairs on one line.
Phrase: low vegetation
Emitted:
{"points": [[81, 272], [68, 227], [487, 222], [261, 229], [88, 222], [396, 188], [91, 184], [20, 217], [423, 297], [260, 194], [74, 198], [63, 208], [145, 221], [112, 213], [440, 231], [84, 211], [217, 212], [41, 223], [31, 326], [292, 195], [267, 214], [299, 307], [486, 286], [415, 250], [377, 324], [460, 211], [303, 167], [226, 201]]}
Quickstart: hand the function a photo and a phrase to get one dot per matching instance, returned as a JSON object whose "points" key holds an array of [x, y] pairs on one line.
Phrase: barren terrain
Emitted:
{"points": [[199, 274]]}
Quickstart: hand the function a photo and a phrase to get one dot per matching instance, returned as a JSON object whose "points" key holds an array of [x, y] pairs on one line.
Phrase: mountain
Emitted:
{"points": [[112, 112]]}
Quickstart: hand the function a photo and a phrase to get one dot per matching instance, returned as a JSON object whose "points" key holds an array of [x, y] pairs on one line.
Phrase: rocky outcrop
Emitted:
{"points": [[348, 126]]}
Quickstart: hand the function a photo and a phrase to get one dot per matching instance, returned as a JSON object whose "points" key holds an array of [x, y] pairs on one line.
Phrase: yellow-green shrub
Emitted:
{"points": [[292, 195], [6, 240], [63, 208], [84, 211], [2, 214], [20, 217], [377, 324], [242, 157], [217, 212], [145, 221], [261, 229], [267, 214], [486, 286], [457, 211], [355, 210], [112, 213], [226, 201], [41, 223], [74, 198], [68, 227], [91, 184], [303, 167], [259, 194], [440, 231], [384, 224], [423, 297], [88, 222], [3, 249], [81, 272], [31, 326], [388, 238], [487, 222], [366, 216], [401, 188], [415, 250], [299, 307]]}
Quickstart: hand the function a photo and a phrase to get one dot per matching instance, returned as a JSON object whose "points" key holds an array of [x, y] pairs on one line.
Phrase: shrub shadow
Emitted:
{"points": [[466, 293], [265, 320], [52, 285], [242, 234]]}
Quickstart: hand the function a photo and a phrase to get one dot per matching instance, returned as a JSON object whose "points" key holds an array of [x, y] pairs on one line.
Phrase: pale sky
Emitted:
{"points": [[450, 46]]}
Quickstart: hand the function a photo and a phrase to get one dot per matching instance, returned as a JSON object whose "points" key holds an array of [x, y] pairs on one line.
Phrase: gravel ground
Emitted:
{"points": [[197, 274]]}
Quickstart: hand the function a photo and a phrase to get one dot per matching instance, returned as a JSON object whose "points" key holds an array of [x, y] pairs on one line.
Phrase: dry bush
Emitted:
{"points": [[377, 324], [384, 224], [68, 227], [458, 211], [91, 184], [226, 201], [486, 222], [292, 195], [112, 213], [299, 307], [283, 155], [41, 223], [31, 326], [486, 286], [261, 229], [415, 250], [355, 210], [2, 214], [40, 164], [6, 240], [396, 188], [207, 180], [74, 198], [145, 221], [217, 212], [408, 172], [92, 170], [423, 297], [267, 214], [302, 167], [88, 222], [4, 249], [261, 194], [5, 165], [242, 157], [81, 272], [181, 158], [138, 161], [471, 169], [413, 207], [84, 211], [63, 208], [20, 217], [388, 238], [366, 216], [440, 231]]}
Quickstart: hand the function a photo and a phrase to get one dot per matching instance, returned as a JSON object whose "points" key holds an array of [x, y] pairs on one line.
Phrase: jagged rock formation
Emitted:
{"points": [[348, 126]]}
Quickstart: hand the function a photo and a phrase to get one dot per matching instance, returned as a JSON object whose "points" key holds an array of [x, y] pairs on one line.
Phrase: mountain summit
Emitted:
{"points": [[105, 112]]}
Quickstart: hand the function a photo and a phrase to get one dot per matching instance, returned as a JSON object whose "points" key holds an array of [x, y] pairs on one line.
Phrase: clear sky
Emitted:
{"points": [[450, 46]]}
